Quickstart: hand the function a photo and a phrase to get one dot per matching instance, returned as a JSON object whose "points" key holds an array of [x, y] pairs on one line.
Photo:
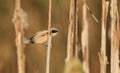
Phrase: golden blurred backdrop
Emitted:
{"points": [[37, 11]]}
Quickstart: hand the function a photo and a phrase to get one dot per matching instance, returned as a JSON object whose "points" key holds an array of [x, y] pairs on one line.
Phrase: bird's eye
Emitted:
{"points": [[54, 31]]}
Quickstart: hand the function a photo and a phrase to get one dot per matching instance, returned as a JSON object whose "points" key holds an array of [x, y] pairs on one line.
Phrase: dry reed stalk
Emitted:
{"points": [[102, 54], [70, 33], [76, 33], [119, 69], [17, 20], [114, 37], [84, 39], [90, 11], [49, 38]]}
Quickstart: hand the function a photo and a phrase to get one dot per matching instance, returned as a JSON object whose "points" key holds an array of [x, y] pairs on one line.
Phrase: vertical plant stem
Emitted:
{"points": [[70, 33], [17, 20], [102, 55], [49, 38], [114, 37], [84, 39], [76, 33], [17, 4]]}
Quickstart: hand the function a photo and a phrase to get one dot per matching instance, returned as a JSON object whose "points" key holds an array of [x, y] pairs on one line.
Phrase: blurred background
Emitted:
{"points": [[37, 11]]}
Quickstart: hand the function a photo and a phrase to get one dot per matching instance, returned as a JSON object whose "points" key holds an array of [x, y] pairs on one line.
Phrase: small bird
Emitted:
{"points": [[41, 37]]}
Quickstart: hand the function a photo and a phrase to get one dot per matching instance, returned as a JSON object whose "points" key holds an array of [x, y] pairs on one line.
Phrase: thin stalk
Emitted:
{"points": [[102, 55], [84, 39], [70, 33], [17, 20], [76, 33], [114, 37], [49, 38]]}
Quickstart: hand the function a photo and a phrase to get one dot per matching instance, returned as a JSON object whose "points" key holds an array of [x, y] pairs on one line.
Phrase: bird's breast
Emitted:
{"points": [[41, 40]]}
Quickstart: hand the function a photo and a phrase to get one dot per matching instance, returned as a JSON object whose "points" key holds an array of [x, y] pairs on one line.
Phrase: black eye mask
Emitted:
{"points": [[32, 40], [54, 31]]}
